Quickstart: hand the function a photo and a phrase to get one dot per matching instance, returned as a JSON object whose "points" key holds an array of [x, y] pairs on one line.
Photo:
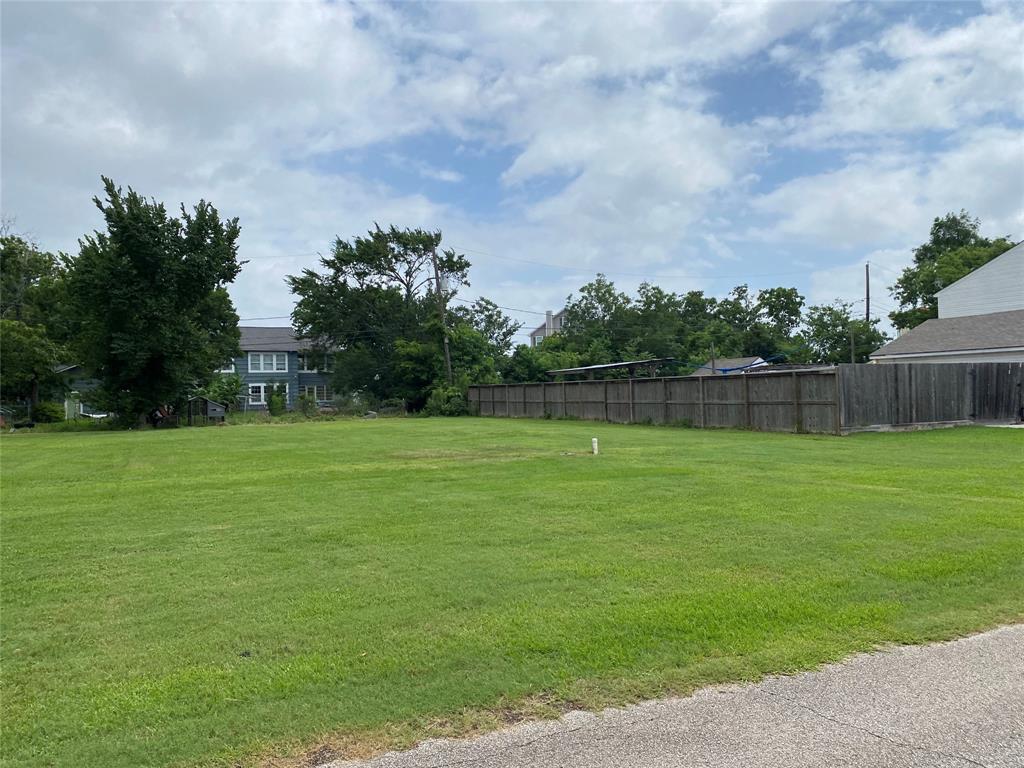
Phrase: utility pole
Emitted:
{"points": [[867, 293], [853, 349], [442, 313], [712, 358]]}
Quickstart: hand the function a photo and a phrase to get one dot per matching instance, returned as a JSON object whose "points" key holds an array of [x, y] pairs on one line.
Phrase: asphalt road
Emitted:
{"points": [[955, 704]]}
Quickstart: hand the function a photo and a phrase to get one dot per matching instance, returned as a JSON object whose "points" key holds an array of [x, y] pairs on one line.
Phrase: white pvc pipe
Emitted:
{"points": [[593, 445]]}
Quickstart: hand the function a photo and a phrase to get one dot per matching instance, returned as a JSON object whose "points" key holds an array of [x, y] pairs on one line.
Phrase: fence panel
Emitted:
{"points": [[684, 400], [533, 401], [773, 403], [818, 407], [833, 400], [725, 402], [998, 391], [649, 401]]}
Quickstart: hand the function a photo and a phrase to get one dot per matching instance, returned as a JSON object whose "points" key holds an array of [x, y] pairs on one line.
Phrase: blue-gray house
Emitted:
{"points": [[272, 356]]}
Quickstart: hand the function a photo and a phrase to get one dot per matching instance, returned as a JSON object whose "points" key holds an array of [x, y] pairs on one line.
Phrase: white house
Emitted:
{"points": [[981, 319], [994, 287], [552, 325]]}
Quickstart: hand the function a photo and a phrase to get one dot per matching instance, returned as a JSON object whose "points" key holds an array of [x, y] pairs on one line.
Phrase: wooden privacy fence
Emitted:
{"points": [[835, 400]]}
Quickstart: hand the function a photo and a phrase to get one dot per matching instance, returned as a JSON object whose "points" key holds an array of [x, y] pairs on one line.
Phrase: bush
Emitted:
{"points": [[277, 400], [350, 404], [446, 401], [308, 406], [224, 389], [48, 413]]}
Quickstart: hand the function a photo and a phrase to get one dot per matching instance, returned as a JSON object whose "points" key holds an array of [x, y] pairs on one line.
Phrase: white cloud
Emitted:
{"points": [[891, 197], [618, 160], [911, 80]]}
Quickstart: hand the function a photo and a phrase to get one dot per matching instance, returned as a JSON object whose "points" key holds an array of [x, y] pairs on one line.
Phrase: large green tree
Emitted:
{"points": [[29, 362], [33, 310], [31, 284], [830, 331], [376, 304], [152, 317], [955, 247]]}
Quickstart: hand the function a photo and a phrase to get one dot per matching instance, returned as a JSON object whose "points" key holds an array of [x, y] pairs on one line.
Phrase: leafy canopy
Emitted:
{"points": [[954, 248], [151, 312]]}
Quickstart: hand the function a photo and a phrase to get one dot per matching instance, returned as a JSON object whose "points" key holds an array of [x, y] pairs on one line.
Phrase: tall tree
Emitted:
{"points": [[152, 316], [29, 362], [830, 331], [31, 283], [954, 248], [497, 327], [375, 303]]}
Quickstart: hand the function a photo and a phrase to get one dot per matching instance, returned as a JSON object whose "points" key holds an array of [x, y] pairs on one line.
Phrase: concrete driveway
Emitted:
{"points": [[952, 704]]}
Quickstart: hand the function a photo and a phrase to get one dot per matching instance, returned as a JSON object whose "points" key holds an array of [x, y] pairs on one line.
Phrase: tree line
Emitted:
{"points": [[144, 308]]}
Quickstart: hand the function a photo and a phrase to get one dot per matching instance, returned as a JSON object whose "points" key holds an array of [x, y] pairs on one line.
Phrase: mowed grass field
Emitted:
{"points": [[213, 596]]}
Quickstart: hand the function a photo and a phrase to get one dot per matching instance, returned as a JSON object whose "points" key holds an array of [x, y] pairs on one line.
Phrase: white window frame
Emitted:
{"points": [[328, 394], [264, 385], [304, 358], [537, 340], [263, 394], [229, 368], [260, 358]]}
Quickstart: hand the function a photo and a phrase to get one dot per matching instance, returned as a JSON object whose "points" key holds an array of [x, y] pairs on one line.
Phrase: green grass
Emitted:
{"points": [[206, 596]]}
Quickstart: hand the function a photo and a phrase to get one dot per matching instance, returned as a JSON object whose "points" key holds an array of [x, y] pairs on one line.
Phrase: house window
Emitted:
{"points": [[258, 393], [229, 368], [319, 392], [267, 362], [537, 340], [314, 362]]}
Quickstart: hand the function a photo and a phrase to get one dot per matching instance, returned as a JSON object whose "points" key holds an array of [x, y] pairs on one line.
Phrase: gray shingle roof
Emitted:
{"points": [[271, 339], [996, 330]]}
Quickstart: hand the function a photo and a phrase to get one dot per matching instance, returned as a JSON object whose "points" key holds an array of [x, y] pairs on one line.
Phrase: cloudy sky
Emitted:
{"points": [[696, 145]]}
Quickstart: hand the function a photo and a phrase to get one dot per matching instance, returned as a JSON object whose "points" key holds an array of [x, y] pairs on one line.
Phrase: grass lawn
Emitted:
{"points": [[207, 596]]}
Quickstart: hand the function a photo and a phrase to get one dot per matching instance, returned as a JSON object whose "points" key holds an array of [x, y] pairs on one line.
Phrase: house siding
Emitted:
{"points": [[293, 377], [994, 287]]}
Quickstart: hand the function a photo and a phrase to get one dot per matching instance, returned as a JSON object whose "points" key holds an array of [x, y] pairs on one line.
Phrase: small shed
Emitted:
{"points": [[201, 411]]}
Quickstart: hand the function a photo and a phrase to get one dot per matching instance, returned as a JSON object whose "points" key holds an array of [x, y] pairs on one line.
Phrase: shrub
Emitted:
{"points": [[224, 389], [48, 413], [446, 401], [277, 400], [350, 404], [307, 404]]}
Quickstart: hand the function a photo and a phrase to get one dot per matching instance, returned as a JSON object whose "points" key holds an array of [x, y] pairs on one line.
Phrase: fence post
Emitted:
{"points": [[565, 412], [524, 400], [798, 416], [606, 399], [703, 409], [631, 419], [746, 398], [664, 401], [835, 408]]}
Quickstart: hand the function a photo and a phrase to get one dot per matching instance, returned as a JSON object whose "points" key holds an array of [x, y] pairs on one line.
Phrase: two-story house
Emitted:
{"points": [[552, 325], [273, 356], [981, 319]]}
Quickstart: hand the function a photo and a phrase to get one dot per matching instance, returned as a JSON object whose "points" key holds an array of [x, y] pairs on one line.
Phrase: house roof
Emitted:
{"points": [[997, 330], [271, 339], [724, 365]]}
